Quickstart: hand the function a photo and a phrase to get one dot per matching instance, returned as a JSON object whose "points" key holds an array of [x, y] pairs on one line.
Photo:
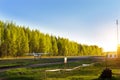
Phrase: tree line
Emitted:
{"points": [[16, 40]]}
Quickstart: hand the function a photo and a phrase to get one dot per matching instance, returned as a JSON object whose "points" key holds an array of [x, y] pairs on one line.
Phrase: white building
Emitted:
{"points": [[111, 55]]}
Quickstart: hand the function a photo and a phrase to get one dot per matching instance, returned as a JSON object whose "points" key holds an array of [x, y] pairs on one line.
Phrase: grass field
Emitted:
{"points": [[38, 73]]}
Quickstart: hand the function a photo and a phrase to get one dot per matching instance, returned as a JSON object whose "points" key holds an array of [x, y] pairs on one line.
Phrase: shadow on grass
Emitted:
{"points": [[23, 78], [113, 78]]}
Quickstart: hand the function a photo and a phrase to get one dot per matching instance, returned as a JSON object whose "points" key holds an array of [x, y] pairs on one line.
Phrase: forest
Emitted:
{"points": [[17, 40]]}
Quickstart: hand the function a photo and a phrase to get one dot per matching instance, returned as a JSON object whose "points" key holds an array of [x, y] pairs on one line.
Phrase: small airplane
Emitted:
{"points": [[36, 55]]}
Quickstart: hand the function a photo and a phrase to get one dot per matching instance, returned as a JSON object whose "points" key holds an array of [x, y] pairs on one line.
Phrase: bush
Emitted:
{"points": [[106, 74]]}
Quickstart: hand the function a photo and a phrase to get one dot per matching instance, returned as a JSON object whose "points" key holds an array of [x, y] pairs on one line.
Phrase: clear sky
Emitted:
{"points": [[89, 22]]}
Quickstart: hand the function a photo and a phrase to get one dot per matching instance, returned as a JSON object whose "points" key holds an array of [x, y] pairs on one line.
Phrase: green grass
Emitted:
{"points": [[25, 62], [83, 73], [39, 74]]}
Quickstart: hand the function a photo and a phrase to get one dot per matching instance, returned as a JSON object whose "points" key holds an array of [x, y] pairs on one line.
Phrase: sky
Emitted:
{"points": [[91, 22]]}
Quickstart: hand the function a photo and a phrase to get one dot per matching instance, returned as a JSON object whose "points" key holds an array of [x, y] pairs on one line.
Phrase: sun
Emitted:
{"points": [[110, 47]]}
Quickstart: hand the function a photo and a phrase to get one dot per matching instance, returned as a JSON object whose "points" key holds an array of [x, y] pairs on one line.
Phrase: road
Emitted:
{"points": [[70, 59]]}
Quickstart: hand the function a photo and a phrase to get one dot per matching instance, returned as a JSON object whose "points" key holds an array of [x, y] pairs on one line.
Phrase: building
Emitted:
{"points": [[111, 55], [118, 51]]}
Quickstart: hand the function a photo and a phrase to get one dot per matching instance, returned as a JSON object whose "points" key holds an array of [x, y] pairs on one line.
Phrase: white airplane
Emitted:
{"points": [[36, 54]]}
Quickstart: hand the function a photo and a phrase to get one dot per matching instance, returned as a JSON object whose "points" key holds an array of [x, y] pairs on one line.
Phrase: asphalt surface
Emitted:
{"points": [[70, 59]]}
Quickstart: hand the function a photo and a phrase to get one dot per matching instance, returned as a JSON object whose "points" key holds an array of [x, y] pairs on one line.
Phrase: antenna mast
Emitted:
{"points": [[117, 32], [117, 36]]}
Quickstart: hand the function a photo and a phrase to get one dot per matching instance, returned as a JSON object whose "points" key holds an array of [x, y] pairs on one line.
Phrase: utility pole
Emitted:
{"points": [[117, 38]]}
